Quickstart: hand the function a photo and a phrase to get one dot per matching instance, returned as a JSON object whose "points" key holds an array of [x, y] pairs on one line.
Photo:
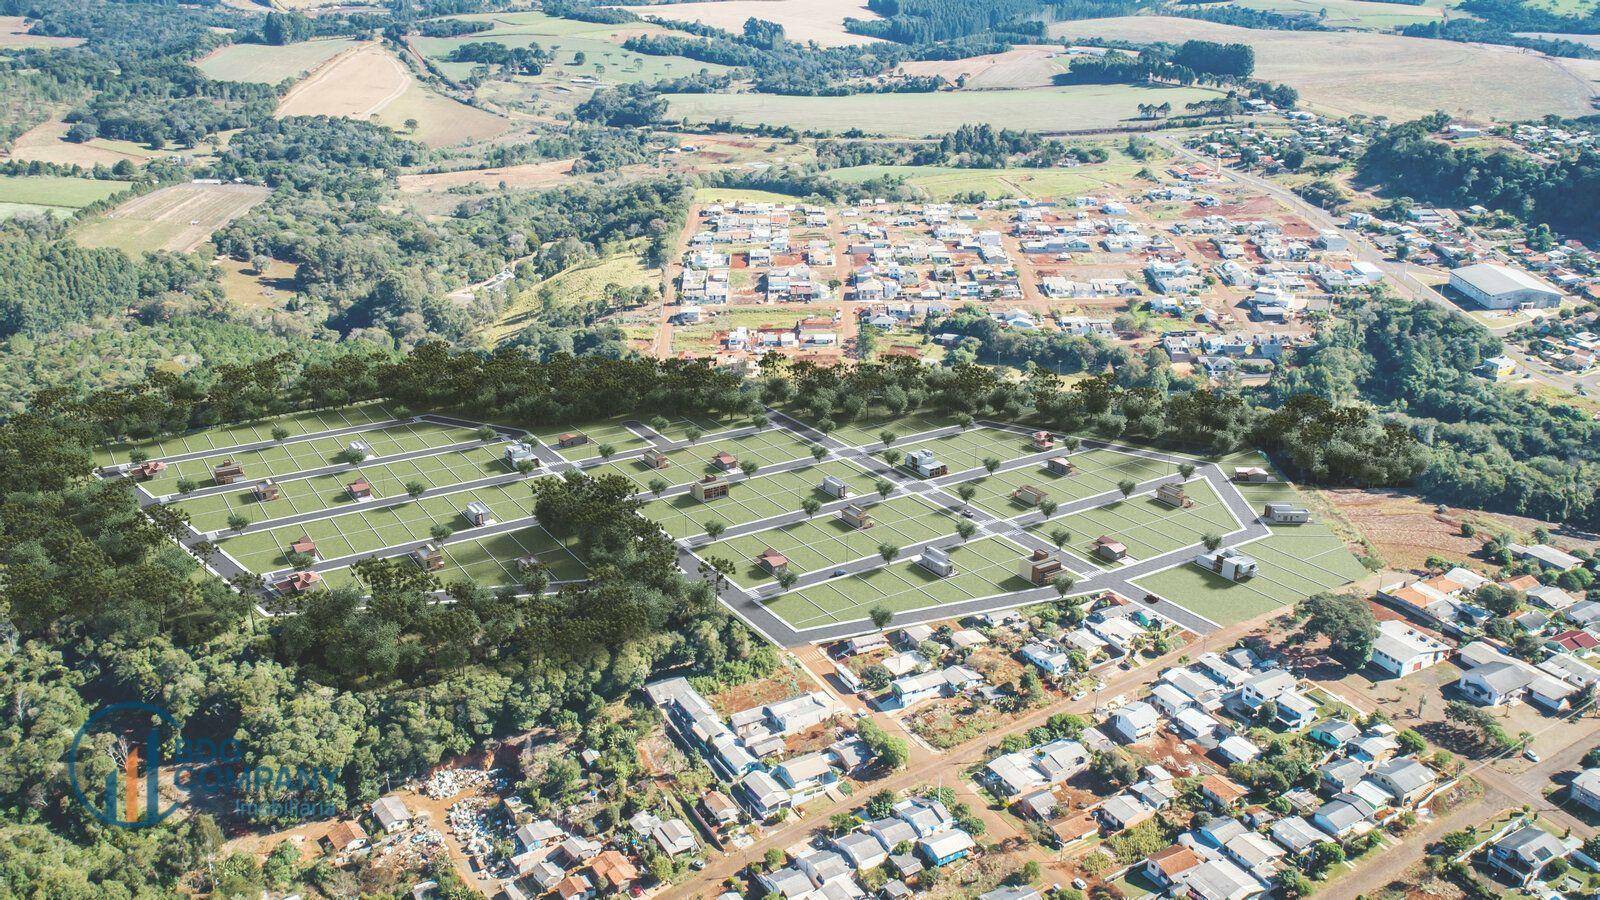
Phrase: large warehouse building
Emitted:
{"points": [[1499, 287]]}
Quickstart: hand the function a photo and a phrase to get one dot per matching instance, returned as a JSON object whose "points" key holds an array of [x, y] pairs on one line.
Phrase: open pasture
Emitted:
{"points": [[267, 64], [824, 541], [178, 218], [1369, 15], [224, 437], [1347, 72], [984, 568], [945, 182], [14, 35], [281, 460], [1078, 108], [821, 21], [52, 195], [761, 497], [1032, 65], [319, 493]]}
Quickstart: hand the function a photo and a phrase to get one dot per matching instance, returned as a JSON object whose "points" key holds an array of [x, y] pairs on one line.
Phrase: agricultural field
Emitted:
{"points": [[51, 195], [1020, 67], [178, 218], [14, 36], [984, 568], [802, 20], [265, 64], [1377, 74], [1079, 108], [945, 182], [1369, 15]]}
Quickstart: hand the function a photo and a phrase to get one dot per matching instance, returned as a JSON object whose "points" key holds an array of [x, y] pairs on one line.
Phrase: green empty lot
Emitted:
{"points": [[1149, 528], [968, 449], [285, 459], [59, 195], [765, 448], [225, 436], [372, 530], [758, 498], [868, 429], [1099, 471], [826, 540], [491, 561], [1296, 561], [269, 64], [326, 492], [617, 436], [983, 568]]}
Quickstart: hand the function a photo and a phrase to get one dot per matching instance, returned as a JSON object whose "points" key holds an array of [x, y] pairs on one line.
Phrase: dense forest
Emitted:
{"points": [[1407, 161]]}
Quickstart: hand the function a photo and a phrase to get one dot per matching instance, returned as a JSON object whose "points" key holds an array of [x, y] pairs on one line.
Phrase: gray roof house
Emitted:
{"points": [[1521, 855]]}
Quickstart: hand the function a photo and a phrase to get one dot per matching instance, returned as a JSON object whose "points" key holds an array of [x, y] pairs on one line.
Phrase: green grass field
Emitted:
{"points": [[51, 194], [758, 498], [688, 464], [1364, 14], [1147, 527], [326, 492], [285, 459], [223, 437], [612, 433], [983, 568], [1296, 561], [1098, 472], [267, 64], [491, 561], [371, 530], [1056, 109], [826, 540], [968, 449], [944, 182]]}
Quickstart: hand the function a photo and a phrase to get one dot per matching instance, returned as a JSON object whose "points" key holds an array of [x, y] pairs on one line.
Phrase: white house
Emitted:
{"points": [[1134, 722], [1401, 650]]}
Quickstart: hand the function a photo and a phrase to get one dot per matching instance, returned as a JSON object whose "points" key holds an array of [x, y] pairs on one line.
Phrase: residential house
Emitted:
{"points": [[1296, 835], [391, 814], [1165, 867], [1124, 811], [1406, 780], [1402, 650], [1521, 855], [1134, 722]]}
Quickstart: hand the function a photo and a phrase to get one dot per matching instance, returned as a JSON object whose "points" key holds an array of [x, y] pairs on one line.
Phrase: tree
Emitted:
{"points": [[885, 487], [1324, 856], [1347, 623], [1059, 537], [658, 486], [990, 464], [1127, 488], [810, 506], [888, 552], [1185, 470], [606, 450], [888, 750], [279, 432], [888, 437], [749, 466], [715, 528], [1211, 540], [415, 489], [966, 492], [1410, 742], [1063, 584], [818, 452], [1293, 884], [892, 457], [693, 434], [1049, 507], [881, 616], [786, 579], [441, 531], [966, 529], [238, 522]]}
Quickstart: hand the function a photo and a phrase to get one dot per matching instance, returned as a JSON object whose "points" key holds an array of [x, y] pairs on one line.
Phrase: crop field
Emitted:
{"points": [[1347, 72], [289, 457], [266, 64], [968, 449], [364, 532], [319, 493], [1077, 108], [984, 568], [690, 463], [223, 437], [1365, 14], [178, 218], [1147, 527], [1020, 67], [945, 182], [802, 20], [14, 36], [826, 540], [51, 194], [1098, 472], [761, 497]]}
